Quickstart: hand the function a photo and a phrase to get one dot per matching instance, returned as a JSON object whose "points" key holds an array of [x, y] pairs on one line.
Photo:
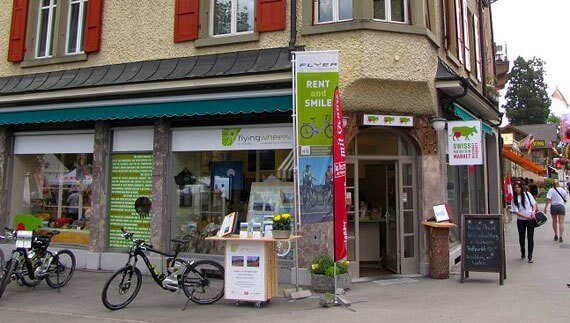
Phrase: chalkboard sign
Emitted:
{"points": [[482, 244]]}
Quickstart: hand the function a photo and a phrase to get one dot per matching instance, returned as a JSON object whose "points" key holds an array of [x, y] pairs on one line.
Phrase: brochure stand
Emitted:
{"points": [[250, 269]]}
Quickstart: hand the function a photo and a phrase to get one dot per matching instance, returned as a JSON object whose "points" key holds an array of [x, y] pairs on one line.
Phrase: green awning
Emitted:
{"points": [[173, 109], [467, 116]]}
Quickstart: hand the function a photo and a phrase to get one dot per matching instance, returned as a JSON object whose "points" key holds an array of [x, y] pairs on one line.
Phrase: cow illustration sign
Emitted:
{"points": [[464, 143]]}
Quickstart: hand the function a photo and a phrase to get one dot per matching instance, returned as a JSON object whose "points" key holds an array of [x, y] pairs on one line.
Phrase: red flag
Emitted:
{"points": [[339, 161], [558, 95], [554, 150], [508, 189]]}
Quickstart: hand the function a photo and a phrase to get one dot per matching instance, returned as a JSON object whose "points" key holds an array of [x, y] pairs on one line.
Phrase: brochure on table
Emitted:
{"points": [[245, 271]]}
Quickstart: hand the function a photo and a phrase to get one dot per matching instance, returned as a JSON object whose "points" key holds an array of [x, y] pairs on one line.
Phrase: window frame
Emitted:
{"points": [[336, 13], [233, 21], [52, 22], [80, 46], [478, 58], [388, 10]]}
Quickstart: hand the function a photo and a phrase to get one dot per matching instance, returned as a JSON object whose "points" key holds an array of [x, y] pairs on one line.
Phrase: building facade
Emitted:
{"points": [[105, 101]]}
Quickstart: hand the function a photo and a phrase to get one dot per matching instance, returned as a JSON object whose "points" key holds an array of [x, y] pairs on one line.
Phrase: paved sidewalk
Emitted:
{"points": [[532, 293]]}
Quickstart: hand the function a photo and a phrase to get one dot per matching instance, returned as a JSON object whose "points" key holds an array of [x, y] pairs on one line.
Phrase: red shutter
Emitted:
{"points": [[93, 25], [271, 15], [186, 22], [17, 45]]}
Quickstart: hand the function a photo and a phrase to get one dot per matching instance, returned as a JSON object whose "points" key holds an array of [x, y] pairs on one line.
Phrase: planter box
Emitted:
{"points": [[322, 283]]}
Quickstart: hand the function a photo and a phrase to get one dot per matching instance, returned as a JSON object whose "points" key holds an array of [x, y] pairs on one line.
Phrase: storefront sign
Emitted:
{"points": [[539, 143], [508, 138], [464, 143], [339, 158], [131, 178], [233, 138], [245, 271], [316, 77], [387, 120]]}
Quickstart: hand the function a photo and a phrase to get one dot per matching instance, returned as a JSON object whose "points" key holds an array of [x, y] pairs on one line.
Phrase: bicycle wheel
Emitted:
{"points": [[306, 131], [203, 282], [120, 290], [61, 269], [283, 248], [329, 131], [7, 270]]}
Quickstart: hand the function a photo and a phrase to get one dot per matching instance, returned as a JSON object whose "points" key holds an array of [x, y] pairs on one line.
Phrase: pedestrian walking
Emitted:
{"points": [[556, 198], [524, 206]]}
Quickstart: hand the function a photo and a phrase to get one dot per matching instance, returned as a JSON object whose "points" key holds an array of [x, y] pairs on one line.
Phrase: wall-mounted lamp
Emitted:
{"points": [[344, 122], [438, 123]]}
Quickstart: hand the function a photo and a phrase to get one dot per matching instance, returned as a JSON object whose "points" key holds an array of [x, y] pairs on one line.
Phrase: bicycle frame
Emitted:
{"points": [[23, 252]]}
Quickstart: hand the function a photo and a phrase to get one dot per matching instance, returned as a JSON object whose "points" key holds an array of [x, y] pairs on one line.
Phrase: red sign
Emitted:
{"points": [[339, 160]]}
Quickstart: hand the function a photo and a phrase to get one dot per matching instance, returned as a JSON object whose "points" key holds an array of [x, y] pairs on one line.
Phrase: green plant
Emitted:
{"points": [[282, 222], [324, 265], [549, 183]]}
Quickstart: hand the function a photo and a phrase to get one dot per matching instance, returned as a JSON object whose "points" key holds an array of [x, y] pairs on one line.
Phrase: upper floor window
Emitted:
{"points": [[391, 10], [76, 26], [327, 11], [47, 15], [231, 17]]}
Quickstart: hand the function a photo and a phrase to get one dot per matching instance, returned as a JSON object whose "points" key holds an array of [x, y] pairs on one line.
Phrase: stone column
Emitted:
{"points": [[161, 153], [4, 157], [99, 191]]}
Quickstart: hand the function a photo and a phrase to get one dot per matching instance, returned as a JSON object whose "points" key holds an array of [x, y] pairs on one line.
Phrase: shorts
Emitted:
{"points": [[558, 210]]}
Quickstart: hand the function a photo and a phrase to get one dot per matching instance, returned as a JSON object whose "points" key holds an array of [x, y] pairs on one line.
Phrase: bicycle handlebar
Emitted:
{"points": [[129, 236]]}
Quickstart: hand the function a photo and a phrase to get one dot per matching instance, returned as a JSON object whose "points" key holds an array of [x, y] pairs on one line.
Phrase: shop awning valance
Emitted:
{"points": [[465, 115], [172, 109], [523, 162]]}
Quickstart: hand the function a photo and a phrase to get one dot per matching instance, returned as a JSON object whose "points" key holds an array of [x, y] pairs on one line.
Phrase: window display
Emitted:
{"points": [[208, 185], [53, 191]]}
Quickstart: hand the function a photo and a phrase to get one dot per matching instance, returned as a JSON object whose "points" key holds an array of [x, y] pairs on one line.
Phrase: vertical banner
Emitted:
{"points": [[565, 127], [464, 142], [339, 158], [316, 78]]}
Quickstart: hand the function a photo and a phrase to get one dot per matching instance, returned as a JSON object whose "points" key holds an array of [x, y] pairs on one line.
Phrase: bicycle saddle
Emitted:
{"points": [[179, 241]]}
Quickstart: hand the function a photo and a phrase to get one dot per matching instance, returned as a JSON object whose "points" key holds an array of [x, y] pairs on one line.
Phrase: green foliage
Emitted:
{"points": [[527, 99], [552, 119], [549, 183], [324, 265]]}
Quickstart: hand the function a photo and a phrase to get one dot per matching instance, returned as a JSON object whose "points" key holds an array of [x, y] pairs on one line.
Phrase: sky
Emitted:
{"points": [[537, 28]]}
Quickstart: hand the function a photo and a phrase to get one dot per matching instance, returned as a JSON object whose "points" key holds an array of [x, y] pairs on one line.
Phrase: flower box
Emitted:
{"points": [[323, 283]]}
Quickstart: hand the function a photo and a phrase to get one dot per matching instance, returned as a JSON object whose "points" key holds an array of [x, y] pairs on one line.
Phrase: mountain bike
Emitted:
{"points": [[31, 262], [202, 281], [308, 130]]}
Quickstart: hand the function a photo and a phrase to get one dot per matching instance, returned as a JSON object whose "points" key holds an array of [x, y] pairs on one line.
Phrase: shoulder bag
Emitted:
{"points": [[556, 189], [539, 217]]}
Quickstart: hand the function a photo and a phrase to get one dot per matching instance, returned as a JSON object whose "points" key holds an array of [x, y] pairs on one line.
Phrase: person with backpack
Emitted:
{"points": [[556, 198]]}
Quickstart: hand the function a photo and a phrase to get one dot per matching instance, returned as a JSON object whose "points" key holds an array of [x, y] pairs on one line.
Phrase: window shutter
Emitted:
{"points": [[466, 37], [186, 20], [93, 25], [17, 45], [271, 15], [459, 26]]}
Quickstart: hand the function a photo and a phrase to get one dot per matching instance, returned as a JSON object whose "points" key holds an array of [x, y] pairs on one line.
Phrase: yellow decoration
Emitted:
{"points": [[277, 218]]}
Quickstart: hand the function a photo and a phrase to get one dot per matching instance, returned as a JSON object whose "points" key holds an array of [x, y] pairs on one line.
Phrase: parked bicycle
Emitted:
{"points": [[31, 262], [202, 281]]}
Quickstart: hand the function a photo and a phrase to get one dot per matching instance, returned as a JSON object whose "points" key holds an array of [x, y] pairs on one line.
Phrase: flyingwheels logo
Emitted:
{"points": [[229, 136]]}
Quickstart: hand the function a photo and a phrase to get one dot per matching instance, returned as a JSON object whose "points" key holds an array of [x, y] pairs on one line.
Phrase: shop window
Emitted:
{"points": [[327, 11], [391, 10], [53, 191], [207, 185], [232, 17]]}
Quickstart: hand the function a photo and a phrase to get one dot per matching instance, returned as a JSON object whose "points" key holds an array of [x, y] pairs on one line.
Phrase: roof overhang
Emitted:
{"points": [[470, 98]]}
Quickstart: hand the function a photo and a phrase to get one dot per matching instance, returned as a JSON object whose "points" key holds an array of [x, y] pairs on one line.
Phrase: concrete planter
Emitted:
{"points": [[322, 283], [281, 234]]}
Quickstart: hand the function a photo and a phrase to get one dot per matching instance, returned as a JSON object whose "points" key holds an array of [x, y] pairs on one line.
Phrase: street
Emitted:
{"points": [[532, 293]]}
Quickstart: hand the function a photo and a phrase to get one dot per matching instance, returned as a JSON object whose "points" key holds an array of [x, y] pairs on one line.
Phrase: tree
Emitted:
{"points": [[527, 99], [553, 119]]}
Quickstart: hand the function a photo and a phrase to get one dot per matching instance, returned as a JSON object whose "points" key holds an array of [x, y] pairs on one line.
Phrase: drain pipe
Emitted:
{"points": [[293, 36]]}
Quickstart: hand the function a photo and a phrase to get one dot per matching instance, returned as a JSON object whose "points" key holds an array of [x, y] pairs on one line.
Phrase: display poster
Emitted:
{"points": [[339, 158], [269, 199], [316, 78], [464, 143], [131, 178], [245, 271]]}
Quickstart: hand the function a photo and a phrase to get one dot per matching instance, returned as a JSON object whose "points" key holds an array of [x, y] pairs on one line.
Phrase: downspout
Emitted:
{"points": [[293, 36]]}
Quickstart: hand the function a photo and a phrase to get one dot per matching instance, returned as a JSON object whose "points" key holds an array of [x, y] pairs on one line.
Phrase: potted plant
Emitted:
{"points": [[322, 274], [281, 226]]}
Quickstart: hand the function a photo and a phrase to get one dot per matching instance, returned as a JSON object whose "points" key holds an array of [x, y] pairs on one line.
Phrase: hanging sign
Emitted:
{"points": [[339, 158], [316, 76], [464, 142], [387, 120]]}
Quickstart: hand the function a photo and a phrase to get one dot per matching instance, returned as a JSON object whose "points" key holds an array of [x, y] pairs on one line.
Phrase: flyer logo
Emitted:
{"points": [[229, 136]]}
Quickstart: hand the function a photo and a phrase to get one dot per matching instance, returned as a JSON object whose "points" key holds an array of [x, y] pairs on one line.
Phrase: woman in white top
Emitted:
{"points": [[556, 197], [524, 206]]}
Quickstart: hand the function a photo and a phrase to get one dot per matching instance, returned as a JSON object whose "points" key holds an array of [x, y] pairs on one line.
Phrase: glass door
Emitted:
{"points": [[392, 219], [352, 209], [408, 223]]}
